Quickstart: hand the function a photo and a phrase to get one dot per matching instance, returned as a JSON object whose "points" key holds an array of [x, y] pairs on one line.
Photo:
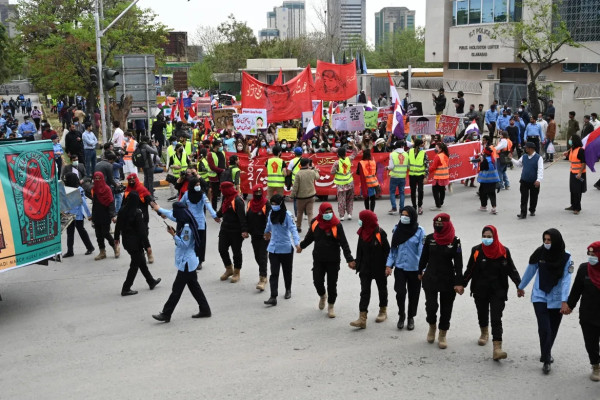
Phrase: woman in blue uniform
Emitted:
{"points": [[403, 261], [551, 289]]}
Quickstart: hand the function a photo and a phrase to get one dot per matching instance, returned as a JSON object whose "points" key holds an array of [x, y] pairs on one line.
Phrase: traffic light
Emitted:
{"points": [[94, 77], [405, 79], [108, 78]]}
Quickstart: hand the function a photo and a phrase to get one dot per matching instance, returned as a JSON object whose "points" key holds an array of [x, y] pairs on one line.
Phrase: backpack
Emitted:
{"points": [[227, 176], [138, 158]]}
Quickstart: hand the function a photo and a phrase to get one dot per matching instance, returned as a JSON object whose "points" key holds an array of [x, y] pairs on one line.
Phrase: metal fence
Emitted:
{"points": [[510, 93], [455, 85], [585, 91]]}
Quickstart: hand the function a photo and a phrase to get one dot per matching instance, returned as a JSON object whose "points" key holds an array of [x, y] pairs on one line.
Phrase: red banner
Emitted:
{"points": [[447, 125], [335, 81], [254, 170], [282, 102]]}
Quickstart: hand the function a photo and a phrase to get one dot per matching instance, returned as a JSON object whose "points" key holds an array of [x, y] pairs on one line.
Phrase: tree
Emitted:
{"points": [[537, 38], [201, 76], [208, 37], [11, 56]]}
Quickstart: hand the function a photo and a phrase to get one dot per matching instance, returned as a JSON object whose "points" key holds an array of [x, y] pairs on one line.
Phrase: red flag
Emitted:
{"points": [[330, 113], [192, 113], [181, 110], [207, 94], [279, 80], [173, 109], [335, 81], [207, 124]]}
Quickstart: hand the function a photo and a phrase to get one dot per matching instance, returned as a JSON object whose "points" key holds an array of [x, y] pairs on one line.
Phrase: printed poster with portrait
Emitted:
{"points": [[29, 204], [335, 81], [223, 117], [259, 116]]}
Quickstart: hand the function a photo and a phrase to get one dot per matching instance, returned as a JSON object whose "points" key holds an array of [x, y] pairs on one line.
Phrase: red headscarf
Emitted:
{"points": [[594, 270], [489, 152], [327, 225], [446, 236], [137, 187], [496, 249], [257, 203], [101, 190], [369, 225], [229, 194]]}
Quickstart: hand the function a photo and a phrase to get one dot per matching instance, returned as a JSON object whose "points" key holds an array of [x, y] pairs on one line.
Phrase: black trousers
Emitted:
{"points": [[233, 240], [331, 269], [445, 305], [216, 192], [138, 262], [407, 282], [285, 262], [528, 190], [103, 232], [548, 320], [370, 203], [491, 306], [59, 163], [439, 194], [85, 238], [189, 279], [365, 290], [485, 195], [416, 186], [591, 337], [259, 245], [535, 140], [202, 234], [577, 188], [492, 129]]}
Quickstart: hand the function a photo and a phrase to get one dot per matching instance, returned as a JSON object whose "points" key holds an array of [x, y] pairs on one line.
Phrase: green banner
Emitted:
{"points": [[371, 120], [29, 204]]}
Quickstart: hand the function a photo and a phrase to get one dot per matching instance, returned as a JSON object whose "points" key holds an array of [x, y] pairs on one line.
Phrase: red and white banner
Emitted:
{"points": [[335, 81], [282, 102], [254, 171], [447, 125]]}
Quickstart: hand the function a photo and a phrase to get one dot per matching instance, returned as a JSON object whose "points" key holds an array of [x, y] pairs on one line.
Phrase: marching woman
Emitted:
{"points": [[441, 175], [131, 224], [587, 288], [257, 214], [234, 229], [342, 172], [134, 184], [103, 211], [490, 265], [551, 289], [577, 179], [282, 233], [440, 270], [403, 261], [488, 178], [371, 255], [369, 185], [328, 234], [72, 180]]}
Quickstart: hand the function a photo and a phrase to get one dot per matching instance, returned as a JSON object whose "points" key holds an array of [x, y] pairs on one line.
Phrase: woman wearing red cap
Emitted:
{"points": [[488, 178], [328, 234], [441, 260], [587, 288], [371, 255], [234, 229], [490, 265], [258, 210], [103, 211]]}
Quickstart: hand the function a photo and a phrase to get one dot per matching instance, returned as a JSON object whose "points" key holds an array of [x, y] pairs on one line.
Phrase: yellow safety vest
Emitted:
{"points": [[169, 130], [416, 165], [211, 173], [170, 151], [343, 175], [188, 147], [275, 177], [182, 162], [204, 174], [296, 165], [400, 167]]}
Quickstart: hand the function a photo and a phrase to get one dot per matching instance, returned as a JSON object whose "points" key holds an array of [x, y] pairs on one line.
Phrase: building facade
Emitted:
{"points": [[346, 20], [285, 22], [391, 20], [7, 12]]}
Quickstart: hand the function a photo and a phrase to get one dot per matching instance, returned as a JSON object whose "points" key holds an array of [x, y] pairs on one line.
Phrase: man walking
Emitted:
{"points": [[533, 134], [491, 116], [417, 170], [89, 149], [550, 135], [572, 127], [148, 153], [440, 102], [398, 167], [587, 126], [531, 178], [304, 191]]}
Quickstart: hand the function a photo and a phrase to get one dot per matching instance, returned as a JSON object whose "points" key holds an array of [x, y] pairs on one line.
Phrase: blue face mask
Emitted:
{"points": [[173, 143], [275, 208], [327, 217], [405, 220], [359, 222], [547, 246], [221, 148], [593, 260], [570, 142], [487, 241], [263, 144]]}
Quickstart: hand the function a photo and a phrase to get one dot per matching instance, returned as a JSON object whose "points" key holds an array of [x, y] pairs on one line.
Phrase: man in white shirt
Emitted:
{"points": [[543, 124], [118, 136], [595, 122], [531, 178], [500, 147]]}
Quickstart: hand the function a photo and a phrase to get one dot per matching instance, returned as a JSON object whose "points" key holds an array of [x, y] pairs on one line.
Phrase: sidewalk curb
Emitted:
{"points": [[160, 183]]}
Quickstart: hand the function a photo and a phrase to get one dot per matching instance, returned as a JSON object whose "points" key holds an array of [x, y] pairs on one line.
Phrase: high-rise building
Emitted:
{"points": [[391, 20], [7, 12], [346, 19], [285, 22]]}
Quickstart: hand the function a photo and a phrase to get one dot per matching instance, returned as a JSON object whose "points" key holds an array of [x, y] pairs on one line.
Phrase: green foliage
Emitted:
{"points": [[11, 56], [201, 76], [401, 49]]}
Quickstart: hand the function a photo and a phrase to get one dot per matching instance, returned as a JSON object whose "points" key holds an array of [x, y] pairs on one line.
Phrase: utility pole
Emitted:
{"points": [[106, 95], [409, 83]]}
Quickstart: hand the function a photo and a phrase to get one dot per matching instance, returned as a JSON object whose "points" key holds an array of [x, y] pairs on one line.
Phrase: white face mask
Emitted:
{"points": [[197, 188], [593, 260], [404, 220], [547, 245]]}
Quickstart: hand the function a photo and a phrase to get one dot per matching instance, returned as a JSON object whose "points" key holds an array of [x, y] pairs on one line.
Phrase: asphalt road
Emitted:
{"points": [[66, 333]]}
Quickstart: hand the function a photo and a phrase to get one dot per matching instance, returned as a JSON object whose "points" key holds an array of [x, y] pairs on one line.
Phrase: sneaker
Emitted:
{"points": [[349, 217], [170, 199], [494, 211], [506, 187], [305, 217], [420, 211], [450, 188], [435, 209], [393, 212], [482, 208], [342, 218], [569, 208]]}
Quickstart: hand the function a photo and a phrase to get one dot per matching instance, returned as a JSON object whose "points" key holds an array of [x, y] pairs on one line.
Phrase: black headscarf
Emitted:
{"points": [[130, 207], [278, 217], [404, 232], [183, 216], [194, 196], [72, 180], [551, 263]]}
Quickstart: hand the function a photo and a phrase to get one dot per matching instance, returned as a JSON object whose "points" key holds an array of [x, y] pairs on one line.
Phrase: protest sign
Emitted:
{"points": [[223, 117], [447, 125], [187, 102], [414, 108], [423, 125], [335, 81], [383, 112], [260, 116], [244, 123], [356, 118], [203, 107], [289, 134], [161, 99], [340, 122], [315, 104], [371, 119], [306, 118]]}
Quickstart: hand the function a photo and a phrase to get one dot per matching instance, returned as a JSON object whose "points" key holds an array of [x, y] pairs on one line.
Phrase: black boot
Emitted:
{"points": [[400, 324], [162, 317], [411, 324], [129, 292], [156, 282], [272, 301], [202, 315], [288, 294], [547, 368]]}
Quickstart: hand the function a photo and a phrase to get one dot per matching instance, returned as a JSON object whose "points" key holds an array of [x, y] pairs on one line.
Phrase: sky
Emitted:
{"points": [[182, 15]]}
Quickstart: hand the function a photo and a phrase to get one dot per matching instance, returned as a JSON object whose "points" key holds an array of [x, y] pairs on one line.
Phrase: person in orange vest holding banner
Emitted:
{"points": [[258, 211], [327, 232], [276, 172], [440, 168], [578, 179], [234, 229], [344, 181], [369, 185], [130, 146]]}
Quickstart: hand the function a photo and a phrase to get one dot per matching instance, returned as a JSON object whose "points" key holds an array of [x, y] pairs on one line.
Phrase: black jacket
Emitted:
{"points": [[257, 222], [587, 129], [513, 134], [107, 170], [444, 265], [362, 98], [440, 103], [135, 235], [234, 221], [327, 247], [584, 289], [487, 275], [72, 145], [101, 215], [371, 257]]}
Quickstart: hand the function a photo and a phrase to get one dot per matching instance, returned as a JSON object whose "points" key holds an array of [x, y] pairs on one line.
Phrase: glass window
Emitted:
{"points": [[486, 66], [462, 12], [587, 67], [271, 78], [453, 13], [570, 67], [487, 11], [463, 65], [452, 65], [515, 10], [475, 12], [500, 10], [475, 66]]}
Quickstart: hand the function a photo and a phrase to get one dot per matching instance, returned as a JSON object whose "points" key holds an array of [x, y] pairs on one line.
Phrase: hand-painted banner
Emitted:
{"points": [[223, 117], [356, 118], [423, 125], [447, 125], [29, 204], [245, 123], [254, 170], [339, 122], [370, 119], [289, 134], [282, 102], [335, 81]]}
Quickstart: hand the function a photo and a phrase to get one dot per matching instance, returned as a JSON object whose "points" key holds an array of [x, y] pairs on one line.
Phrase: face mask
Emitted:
{"points": [[328, 216], [314, 140], [304, 147], [173, 144], [75, 163], [593, 260], [240, 147], [520, 110], [487, 241], [330, 136], [338, 144], [221, 148], [547, 245], [404, 220], [197, 188], [275, 208], [570, 142], [263, 144], [437, 228], [359, 222]]}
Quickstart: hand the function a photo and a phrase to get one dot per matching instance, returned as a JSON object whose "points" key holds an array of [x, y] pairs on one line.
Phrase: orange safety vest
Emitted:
{"points": [[576, 165], [509, 146], [369, 169], [125, 194], [264, 208], [130, 150], [333, 228], [442, 172]]}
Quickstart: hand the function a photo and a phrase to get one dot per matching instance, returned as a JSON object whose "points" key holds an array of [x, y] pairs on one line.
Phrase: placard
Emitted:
{"points": [[423, 125], [306, 118], [356, 118], [371, 119], [339, 122], [382, 113], [289, 134], [447, 125], [259, 115], [223, 117], [414, 108], [161, 99], [244, 123]]}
